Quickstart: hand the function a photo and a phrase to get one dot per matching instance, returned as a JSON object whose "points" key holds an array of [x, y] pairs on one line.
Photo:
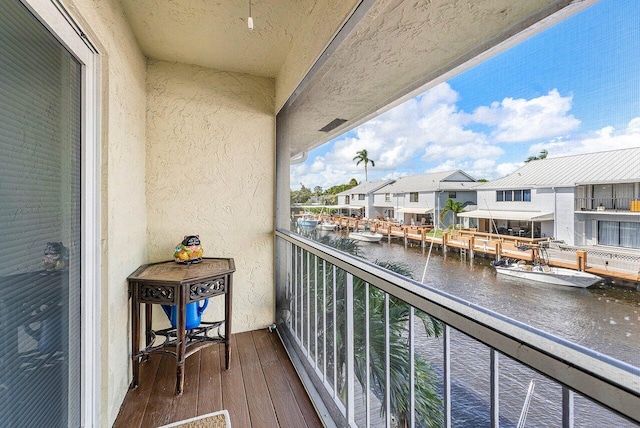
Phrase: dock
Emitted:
{"points": [[472, 243]]}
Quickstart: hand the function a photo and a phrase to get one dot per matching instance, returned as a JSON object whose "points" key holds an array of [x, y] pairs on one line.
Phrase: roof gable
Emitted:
{"points": [[447, 180]]}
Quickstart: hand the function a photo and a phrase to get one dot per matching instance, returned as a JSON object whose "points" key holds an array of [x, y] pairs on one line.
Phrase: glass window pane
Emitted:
{"points": [[40, 112], [608, 233]]}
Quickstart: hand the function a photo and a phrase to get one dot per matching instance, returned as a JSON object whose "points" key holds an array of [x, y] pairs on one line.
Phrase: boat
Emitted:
{"points": [[327, 225], [540, 272], [308, 221], [365, 236]]}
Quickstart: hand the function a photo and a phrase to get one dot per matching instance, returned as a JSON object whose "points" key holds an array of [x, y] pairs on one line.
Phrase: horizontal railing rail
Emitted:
{"points": [[605, 380], [605, 204]]}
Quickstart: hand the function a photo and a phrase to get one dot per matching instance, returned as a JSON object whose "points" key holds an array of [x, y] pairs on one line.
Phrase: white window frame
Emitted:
{"points": [[60, 24]]}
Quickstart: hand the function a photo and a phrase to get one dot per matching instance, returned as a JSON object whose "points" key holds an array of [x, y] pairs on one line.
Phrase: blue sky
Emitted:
{"points": [[574, 88]]}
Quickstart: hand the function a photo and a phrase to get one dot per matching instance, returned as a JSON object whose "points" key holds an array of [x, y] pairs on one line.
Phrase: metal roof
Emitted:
{"points": [[366, 187], [614, 166], [430, 183]]}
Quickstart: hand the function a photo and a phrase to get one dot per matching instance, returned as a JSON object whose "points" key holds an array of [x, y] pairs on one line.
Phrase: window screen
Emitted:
{"points": [[40, 135]]}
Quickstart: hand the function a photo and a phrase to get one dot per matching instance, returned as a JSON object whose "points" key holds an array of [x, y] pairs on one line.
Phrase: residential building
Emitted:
{"points": [[420, 198], [127, 124], [360, 199], [586, 199]]}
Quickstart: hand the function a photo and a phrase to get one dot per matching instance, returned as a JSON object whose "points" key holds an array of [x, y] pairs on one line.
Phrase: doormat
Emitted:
{"points": [[218, 419]]}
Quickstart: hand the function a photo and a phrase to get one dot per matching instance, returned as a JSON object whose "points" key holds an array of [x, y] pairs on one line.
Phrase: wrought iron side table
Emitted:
{"points": [[170, 283]]}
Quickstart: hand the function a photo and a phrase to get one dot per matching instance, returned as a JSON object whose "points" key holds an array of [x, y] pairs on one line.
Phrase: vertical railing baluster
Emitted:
{"points": [[447, 376], [494, 372], [324, 320], [308, 307], [567, 408], [387, 360], [350, 357], [295, 291], [367, 362], [290, 280], [412, 370], [315, 310], [335, 341]]}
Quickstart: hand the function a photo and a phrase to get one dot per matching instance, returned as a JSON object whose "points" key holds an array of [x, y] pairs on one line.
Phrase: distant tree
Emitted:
{"points": [[300, 196], [353, 183], [363, 156], [483, 180], [543, 154], [317, 191], [454, 207]]}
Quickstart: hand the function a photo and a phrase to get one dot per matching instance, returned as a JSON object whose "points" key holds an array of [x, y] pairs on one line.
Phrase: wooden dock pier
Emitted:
{"points": [[471, 243]]}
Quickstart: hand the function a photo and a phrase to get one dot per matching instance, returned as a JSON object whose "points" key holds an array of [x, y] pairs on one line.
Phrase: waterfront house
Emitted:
{"points": [[583, 200], [127, 124], [360, 199], [419, 199]]}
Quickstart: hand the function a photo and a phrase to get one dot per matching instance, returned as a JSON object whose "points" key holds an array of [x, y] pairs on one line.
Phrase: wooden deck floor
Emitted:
{"points": [[261, 389]]}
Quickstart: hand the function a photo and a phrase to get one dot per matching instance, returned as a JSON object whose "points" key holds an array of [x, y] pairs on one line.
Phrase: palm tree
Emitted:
{"points": [[428, 405], [453, 207], [543, 154], [363, 156]]}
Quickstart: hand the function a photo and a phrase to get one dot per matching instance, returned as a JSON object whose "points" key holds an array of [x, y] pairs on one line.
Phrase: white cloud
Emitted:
{"points": [[431, 133], [520, 120], [606, 138]]}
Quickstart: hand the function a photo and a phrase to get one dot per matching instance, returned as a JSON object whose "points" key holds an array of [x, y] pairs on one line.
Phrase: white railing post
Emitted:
{"points": [[567, 408], [387, 359], [412, 369], [350, 357], [447, 375], [495, 388], [367, 356], [324, 321]]}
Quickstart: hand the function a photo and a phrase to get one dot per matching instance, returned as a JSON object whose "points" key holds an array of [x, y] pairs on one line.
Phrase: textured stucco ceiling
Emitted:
{"points": [[389, 50], [214, 33], [400, 47]]}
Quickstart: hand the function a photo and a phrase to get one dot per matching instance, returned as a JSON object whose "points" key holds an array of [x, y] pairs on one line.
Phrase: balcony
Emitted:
{"points": [[261, 388], [357, 331], [607, 204], [338, 319]]}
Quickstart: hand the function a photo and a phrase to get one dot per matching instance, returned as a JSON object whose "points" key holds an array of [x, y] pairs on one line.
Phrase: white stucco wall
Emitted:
{"points": [[124, 211], [211, 172]]}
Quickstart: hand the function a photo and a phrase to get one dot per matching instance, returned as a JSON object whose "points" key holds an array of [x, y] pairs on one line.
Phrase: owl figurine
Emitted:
{"points": [[189, 250], [56, 257]]}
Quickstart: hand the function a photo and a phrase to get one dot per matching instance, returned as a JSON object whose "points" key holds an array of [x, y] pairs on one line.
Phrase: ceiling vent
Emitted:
{"points": [[333, 125]]}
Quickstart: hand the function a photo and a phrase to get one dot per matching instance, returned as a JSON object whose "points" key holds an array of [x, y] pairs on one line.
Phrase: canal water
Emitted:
{"points": [[604, 318]]}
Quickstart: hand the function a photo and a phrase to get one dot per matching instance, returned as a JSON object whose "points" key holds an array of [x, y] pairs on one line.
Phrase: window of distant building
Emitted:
{"points": [[387, 197], [619, 234], [361, 196], [452, 195], [413, 197], [520, 195], [347, 200]]}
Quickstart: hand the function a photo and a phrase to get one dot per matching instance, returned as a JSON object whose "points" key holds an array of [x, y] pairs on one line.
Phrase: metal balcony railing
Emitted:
{"points": [[603, 204], [379, 349]]}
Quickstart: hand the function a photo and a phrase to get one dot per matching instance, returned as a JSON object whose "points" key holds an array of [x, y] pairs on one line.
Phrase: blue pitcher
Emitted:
{"points": [[193, 314]]}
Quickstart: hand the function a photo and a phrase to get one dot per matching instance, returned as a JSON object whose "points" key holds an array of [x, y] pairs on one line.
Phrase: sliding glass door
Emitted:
{"points": [[41, 120]]}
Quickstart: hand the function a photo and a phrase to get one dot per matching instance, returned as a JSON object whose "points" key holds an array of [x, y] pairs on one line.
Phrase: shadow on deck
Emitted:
{"points": [[261, 389]]}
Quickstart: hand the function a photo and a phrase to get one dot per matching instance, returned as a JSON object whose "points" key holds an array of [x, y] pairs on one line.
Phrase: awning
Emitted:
{"points": [[509, 215], [355, 207], [413, 210]]}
